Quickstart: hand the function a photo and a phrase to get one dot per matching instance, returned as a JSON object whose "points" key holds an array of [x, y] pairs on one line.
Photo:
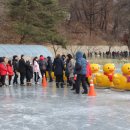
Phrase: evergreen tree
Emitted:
{"points": [[37, 20]]}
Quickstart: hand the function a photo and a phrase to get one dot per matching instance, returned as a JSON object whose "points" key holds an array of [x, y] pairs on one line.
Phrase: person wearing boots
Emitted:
{"points": [[58, 67], [80, 71], [22, 70]]}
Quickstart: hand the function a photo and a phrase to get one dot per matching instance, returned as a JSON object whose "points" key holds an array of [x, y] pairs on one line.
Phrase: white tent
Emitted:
{"points": [[8, 50]]}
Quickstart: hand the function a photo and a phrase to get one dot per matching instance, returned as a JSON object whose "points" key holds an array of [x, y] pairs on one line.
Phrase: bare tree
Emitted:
{"points": [[73, 49], [91, 14], [123, 22]]}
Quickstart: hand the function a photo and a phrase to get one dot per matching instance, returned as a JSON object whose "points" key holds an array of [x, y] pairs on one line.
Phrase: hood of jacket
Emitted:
{"points": [[79, 55]]}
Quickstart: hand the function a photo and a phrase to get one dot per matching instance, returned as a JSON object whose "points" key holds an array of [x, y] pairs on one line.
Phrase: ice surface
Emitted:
{"points": [[35, 108]]}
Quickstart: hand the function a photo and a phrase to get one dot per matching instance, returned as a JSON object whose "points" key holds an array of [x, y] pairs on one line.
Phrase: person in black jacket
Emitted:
{"points": [[22, 70], [1, 60], [15, 64], [58, 67], [49, 67], [42, 65], [29, 73]]}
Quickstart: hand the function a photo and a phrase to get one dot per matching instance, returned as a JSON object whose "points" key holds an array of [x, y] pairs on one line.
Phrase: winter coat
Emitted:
{"points": [[15, 65], [1, 59], [80, 65], [58, 66], [70, 68], [49, 64], [67, 72], [89, 71], [3, 69], [36, 67], [29, 71], [42, 63], [10, 70], [22, 66]]}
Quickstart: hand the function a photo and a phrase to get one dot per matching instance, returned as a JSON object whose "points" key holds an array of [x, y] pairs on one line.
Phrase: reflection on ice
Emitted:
{"points": [[38, 108]]}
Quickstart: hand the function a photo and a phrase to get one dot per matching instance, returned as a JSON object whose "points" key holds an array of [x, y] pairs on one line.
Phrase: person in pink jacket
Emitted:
{"points": [[89, 72], [36, 70]]}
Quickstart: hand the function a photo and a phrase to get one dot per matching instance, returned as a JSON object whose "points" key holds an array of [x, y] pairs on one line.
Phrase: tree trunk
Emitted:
{"points": [[22, 39], [109, 49], [128, 44], [55, 48]]}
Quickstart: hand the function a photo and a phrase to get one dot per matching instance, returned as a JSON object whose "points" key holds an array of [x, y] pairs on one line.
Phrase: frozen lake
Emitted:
{"points": [[35, 108]]}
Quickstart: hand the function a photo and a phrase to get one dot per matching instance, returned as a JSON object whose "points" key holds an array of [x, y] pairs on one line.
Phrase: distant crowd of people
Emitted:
{"points": [[108, 54], [77, 70]]}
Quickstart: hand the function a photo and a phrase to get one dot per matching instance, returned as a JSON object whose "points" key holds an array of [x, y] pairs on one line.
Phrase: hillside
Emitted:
{"points": [[7, 35], [87, 23]]}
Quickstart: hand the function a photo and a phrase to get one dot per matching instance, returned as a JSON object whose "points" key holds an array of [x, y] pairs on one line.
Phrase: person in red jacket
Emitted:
{"points": [[3, 71], [10, 71], [89, 72]]}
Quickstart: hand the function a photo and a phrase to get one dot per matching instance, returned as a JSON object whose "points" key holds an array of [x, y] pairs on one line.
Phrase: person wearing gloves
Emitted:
{"points": [[10, 71], [80, 71], [36, 70]]}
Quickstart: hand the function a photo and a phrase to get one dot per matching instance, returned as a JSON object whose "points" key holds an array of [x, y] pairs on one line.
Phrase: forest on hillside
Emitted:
{"points": [[65, 22]]}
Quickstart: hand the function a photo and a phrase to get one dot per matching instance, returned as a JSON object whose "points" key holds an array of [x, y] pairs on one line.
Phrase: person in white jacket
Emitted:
{"points": [[36, 70]]}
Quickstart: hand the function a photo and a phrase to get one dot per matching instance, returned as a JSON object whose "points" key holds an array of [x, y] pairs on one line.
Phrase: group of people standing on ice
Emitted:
{"points": [[26, 69], [76, 70]]}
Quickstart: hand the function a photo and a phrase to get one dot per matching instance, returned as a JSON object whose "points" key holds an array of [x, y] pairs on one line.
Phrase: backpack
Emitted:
{"points": [[43, 65]]}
